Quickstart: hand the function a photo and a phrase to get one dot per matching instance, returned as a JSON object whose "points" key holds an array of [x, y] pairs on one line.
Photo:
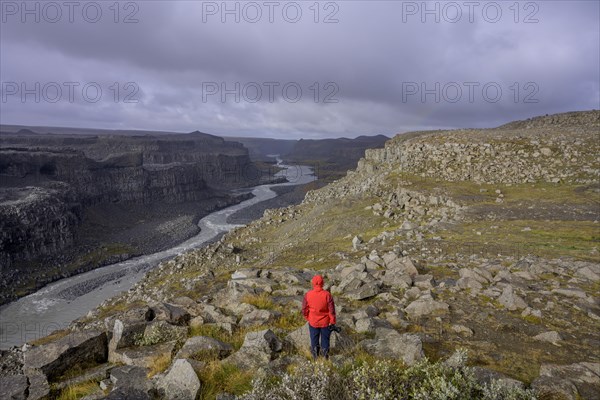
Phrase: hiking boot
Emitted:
{"points": [[315, 352]]}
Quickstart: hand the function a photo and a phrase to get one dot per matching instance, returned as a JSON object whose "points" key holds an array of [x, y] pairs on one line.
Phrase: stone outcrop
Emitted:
{"points": [[258, 350], [570, 382], [181, 382], [487, 157], [388, 343]]}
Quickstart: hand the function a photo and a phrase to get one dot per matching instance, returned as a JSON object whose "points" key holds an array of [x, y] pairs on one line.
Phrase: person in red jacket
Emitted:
{"points": [[319, 310]]}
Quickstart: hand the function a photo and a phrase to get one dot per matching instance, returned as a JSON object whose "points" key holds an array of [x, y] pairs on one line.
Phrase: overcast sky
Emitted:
{"points": [[363, 67]]}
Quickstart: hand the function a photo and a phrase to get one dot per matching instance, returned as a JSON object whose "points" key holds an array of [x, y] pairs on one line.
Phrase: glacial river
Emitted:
{"points": [[59, 303]]}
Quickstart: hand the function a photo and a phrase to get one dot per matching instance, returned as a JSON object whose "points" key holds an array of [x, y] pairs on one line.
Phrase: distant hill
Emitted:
{"points": [[260, 148], [333, 157]]}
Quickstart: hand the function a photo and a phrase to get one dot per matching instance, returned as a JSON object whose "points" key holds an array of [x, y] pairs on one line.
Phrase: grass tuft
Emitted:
{"points": [[219, 377]]}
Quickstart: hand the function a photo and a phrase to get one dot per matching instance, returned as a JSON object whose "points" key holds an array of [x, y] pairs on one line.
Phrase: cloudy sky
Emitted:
{"points": [[296, 69]]}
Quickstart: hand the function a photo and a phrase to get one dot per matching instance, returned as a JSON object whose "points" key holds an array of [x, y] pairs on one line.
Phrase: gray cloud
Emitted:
{"points": [[371, 56]]}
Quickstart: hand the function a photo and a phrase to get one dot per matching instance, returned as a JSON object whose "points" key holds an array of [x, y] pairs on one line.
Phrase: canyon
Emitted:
{"points": [[63, 197]]}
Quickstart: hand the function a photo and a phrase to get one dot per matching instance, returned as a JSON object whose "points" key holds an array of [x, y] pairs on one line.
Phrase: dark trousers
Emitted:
{"points": [[323, 334]]}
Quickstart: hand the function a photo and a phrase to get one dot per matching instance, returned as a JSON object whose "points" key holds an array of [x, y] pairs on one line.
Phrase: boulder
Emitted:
{"points": [[550, 336], [258, 350], [245, 274], [212, 314], [264, 340], [389, 257], [129, 383], [181, 382], [388, 343], [423, 282], [14, 387], [510, 300], [124, 334], [488, 376], [462, 330], [365, 325], [160, 332], [172, 314], [356, 243], [364, 291], [574, 381], [197, 345], [77, 348], [39, 388], [424, 307], [300, 339], [259, 317], [571, 292], [588, 274], [145, 313], [352, 268], [397, 279], [477, 275], [469, 283], [144, 356]]}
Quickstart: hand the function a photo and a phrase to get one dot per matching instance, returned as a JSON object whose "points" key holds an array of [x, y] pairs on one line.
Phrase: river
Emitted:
{"points": [[59, 303]]}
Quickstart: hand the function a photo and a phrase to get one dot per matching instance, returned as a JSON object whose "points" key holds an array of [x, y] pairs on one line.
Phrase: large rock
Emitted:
{"points": [[258, 350], [124, 334], [127, 335], [403, 265], [478, 275], [161, 331], [424, 307], [129, 383], [212, 314], [202, 345], [364, 291], [259, 317], [39, 388], [264, 340], [74, 349], [246, 274], [365, 325], [510, 300], [172, 314], [469, 283], [550, 336], [388, 343], [570, 382], [300, 339], [181, 382], [487, 376], [588, 274], [356, 243], [14, 387], [397, 278], [144, 356]]}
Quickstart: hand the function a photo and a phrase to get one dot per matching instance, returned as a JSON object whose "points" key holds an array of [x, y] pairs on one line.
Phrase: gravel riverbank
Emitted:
{"points": [[286, 196]]}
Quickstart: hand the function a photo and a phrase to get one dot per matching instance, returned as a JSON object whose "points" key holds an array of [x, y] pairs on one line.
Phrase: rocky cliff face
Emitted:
{"points": [[331, 158], [49, 181], [36, 221], [520, 152]]}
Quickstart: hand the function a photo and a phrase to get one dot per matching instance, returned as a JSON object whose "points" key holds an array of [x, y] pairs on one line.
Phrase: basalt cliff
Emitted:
{"points": [[62, 195]]}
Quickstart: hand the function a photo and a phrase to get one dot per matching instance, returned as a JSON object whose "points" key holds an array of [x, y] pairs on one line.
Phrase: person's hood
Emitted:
{"points": [[317, 282]]}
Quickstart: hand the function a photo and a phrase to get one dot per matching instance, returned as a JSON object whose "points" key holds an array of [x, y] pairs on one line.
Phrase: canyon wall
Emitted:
{"points": [[47, 182]]}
